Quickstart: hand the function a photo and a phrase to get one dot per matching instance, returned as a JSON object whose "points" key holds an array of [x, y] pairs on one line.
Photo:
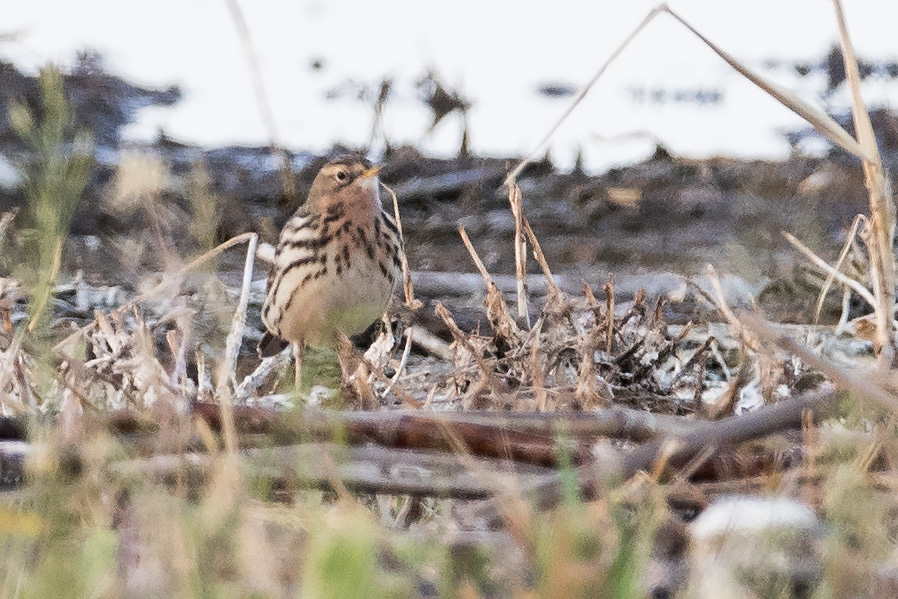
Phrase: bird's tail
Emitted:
{"points": [[271, 345]]}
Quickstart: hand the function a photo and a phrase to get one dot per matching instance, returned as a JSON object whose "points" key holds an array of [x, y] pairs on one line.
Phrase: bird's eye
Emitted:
{"points": [[341, 175]]}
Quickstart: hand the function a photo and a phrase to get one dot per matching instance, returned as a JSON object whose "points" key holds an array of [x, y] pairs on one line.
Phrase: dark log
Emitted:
{"points": [[678, 450]]}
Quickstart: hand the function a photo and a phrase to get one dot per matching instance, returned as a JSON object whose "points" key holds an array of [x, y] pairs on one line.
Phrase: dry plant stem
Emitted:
{"points": [[721, 304], [512, 176], [609, 314], [520, 251], [431, 343], [822, 265], [881, 233], [262, 97], [238, 322], [843, 255], [407, 288], [844, 379], [821, 121], [553, 290], [402, 362]]}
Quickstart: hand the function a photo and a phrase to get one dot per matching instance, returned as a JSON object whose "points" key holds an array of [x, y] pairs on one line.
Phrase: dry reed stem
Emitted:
{"points": [[822, 265], [845, 379], [496, 309], [818, 119], [407, 287], [609, 313], [512, 176], [520, 251], [843, 255], [238, 323], [881, 231]]}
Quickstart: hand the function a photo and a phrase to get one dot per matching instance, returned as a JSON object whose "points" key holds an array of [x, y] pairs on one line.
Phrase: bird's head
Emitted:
{"points": [[350, 181]]}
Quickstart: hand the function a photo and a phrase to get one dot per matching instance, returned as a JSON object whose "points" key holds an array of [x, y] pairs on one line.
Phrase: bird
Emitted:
{"points": [[336, 262]]}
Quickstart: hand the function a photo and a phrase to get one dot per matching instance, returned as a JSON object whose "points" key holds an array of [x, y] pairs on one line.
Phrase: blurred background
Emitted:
{"points": [[514, 63]]}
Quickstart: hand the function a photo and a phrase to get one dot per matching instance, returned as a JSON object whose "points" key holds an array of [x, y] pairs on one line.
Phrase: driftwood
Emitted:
{"points": [[484, 455], [368, 469], [676, 451]]}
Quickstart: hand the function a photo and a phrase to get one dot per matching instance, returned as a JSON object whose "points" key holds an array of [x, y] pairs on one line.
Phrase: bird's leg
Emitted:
{"points": [[297, 364]]}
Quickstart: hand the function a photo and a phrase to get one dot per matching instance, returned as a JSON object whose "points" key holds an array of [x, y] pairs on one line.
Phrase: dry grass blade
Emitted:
{"points": [[843, 255], [881, 231], [520, 251], [821, 121], [579, 97], [822, 265]]}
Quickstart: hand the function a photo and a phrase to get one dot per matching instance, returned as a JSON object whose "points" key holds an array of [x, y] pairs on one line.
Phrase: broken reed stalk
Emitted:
{"points": [[520, 251], [881, 231], [553, 291]]}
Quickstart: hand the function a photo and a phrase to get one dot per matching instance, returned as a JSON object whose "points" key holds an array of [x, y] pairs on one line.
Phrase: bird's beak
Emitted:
{"points": [[370, 172]]}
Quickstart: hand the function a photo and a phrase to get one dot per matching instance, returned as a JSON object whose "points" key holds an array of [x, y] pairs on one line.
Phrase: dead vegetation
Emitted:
{"points": [[554, 450]]}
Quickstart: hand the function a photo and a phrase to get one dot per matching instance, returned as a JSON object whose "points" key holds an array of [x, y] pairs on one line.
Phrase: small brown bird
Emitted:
{"points": [[336, 262]]}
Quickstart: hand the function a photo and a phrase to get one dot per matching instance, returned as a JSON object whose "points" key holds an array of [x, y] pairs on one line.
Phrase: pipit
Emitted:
{"points": [[336, 262]]}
